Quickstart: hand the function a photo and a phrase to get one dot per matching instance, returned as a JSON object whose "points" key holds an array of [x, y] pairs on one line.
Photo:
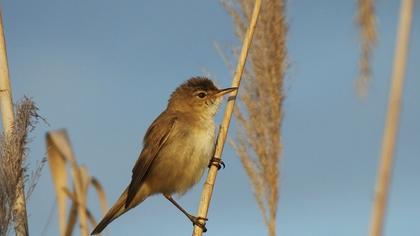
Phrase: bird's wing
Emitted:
{"points": [[158, 134]]}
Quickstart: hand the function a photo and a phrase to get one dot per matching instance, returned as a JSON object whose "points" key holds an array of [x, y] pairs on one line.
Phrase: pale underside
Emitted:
{"points": [[181, 162]]}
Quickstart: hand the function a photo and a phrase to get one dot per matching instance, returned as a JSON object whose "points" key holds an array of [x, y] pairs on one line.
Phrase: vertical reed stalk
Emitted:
{"points": [[6, 103], [6, 107], [392, 120], [224, 126]]}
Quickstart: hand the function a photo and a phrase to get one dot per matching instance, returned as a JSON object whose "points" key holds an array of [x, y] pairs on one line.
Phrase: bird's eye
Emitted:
{"points": [[202, 95]]}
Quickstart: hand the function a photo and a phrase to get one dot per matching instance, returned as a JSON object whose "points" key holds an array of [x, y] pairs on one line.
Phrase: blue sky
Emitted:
{"points": [[104, 70]]}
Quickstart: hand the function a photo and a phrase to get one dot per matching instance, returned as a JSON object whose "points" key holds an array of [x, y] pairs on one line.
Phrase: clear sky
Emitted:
{"points": [[104, 70]]}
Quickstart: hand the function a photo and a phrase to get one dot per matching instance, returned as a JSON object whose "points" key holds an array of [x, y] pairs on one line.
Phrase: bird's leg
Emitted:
{"points": [[194, 219], [214, 161]]}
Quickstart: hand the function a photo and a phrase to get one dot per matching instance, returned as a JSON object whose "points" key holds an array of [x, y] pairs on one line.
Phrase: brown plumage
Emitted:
{"points": [[177, 148]]}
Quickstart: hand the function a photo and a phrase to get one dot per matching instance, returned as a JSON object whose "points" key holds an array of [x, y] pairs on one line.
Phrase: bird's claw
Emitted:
{"points": [[217, 162], [196, 221]]}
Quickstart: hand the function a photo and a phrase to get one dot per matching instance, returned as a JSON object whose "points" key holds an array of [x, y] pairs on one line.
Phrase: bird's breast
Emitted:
{"points": [[202, 142], [200, 145], [182, 161]]}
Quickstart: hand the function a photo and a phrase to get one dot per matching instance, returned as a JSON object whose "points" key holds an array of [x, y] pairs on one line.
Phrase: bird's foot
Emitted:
{"points": [[196, 220], [217, 162]]}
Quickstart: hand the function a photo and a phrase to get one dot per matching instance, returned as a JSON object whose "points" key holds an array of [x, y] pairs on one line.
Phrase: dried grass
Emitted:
{"points": [[61, 158], [368, 36], [13, 152], [260, 112]]}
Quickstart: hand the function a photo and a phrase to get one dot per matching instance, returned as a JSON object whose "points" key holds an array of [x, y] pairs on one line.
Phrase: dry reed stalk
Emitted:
{"points": [[80, 189], [6, 107], [57, 164], [71, 221], [367, 22], [260, 112], [13, 153], [224, 126], [60, 154], [392, 119], [78, 204]]}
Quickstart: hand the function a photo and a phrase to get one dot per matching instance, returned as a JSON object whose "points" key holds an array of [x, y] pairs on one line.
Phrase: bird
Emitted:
{"points": [[177, 148]]}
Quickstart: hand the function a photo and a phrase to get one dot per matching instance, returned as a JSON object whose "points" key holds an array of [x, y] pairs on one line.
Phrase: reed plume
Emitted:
{"points": [[367, 22], [13, 151], [260, 112]]}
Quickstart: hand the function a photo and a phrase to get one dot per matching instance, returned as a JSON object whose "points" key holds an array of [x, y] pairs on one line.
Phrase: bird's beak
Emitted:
{"points": [[222, 92]]}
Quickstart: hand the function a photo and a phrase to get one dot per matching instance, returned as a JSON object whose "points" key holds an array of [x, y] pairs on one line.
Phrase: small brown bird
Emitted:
{"points": [[177, 148]]}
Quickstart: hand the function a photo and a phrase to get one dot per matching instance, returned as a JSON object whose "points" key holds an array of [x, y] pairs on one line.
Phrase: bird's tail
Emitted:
{"points": [[117, 209]]}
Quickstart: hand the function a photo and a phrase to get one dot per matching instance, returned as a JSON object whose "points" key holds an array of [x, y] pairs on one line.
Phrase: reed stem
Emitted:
{"points": [[7, 111], [392, 119], [224, 126]]}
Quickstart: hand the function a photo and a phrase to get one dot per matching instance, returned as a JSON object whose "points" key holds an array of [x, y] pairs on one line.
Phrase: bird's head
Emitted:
{"points": [[197, 95]]}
